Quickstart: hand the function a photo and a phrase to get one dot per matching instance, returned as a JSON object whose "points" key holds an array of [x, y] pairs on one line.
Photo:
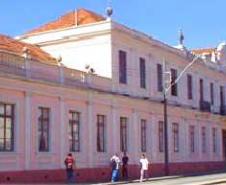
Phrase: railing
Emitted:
{"points": [[11, 64], [205, 106], [223, 110]]}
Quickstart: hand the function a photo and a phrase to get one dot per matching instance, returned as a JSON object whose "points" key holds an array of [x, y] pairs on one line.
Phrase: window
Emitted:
{"points": [[122, 67], [142, 73], [159, 77], [222, 96], [211, 93], [101, 133], [123, 134], [203, 140], [214, 132], [6, 127], [192, 138], [173, 79], [176, 137], [161, 136], [189, 86], [143, 135], [201, 89], [74, 131], [43, 129]]}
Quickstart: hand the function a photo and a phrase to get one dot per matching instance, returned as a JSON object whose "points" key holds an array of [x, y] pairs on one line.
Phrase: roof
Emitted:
{"points": [[204, 51], [79, 17], [17, 47]]}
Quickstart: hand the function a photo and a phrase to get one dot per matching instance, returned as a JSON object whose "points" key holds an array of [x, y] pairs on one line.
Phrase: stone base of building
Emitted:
{"points": [[104, 174]]}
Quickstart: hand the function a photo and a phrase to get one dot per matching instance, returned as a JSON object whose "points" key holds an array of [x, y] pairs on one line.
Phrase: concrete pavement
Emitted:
{"points": [[210, 179]]}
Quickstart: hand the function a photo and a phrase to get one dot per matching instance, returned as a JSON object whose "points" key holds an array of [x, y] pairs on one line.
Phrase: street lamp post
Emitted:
{"points": [[165, 90], [166, 135]]}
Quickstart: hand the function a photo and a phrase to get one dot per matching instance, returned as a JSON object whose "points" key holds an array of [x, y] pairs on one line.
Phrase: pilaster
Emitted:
{"points": [[28, 129]]}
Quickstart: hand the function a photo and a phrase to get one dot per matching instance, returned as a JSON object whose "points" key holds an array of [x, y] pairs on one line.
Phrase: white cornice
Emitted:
{"points": [[72, 38], [146, 38], [24, 36]]}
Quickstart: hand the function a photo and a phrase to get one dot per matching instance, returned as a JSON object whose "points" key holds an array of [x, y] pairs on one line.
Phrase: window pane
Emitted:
{"points": [[192, 138], [222, 96], [75, 116], [43, 129], [43, 143], [143, 135], [123, 134], [8, 133], [1, 128], [122, 67], [1, 109], [9, 110], [6, 125], [189, 86], [142, 73], [214, 133], [77, 146], [201, 89], [75, 128], [71, 148], [211, 93], [45, 126], [176, 137], [1, 144], [8, 122], [161, 139], [159, 77], [203, 139], [100, 133], [8, 145], [174, 86], [73, 131]]}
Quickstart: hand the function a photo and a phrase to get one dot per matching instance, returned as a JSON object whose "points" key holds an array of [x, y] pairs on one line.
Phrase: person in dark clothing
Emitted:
{"points": [[125, 160], [70, 164]]}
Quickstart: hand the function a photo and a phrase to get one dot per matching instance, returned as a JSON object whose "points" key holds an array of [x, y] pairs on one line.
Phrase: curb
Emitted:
{"points": [[137, 180]]}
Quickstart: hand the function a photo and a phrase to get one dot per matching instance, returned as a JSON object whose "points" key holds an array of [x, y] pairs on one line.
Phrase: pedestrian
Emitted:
{"points": [[115, 163], [70, 165], [144, 167], [125, 160]]}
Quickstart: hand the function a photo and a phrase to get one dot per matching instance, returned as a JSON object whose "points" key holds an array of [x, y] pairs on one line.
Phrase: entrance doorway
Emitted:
{"points": [[224, 143]]}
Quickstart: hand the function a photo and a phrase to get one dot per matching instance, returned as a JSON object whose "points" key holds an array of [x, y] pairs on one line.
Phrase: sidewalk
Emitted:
{"points": [[204, 179], [207, 179], [138, 181]]}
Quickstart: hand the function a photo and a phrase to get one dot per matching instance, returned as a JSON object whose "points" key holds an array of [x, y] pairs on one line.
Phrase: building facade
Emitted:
{"points": [[103, 95]]}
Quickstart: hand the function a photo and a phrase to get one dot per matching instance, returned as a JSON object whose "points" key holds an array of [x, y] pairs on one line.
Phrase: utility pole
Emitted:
{"points": [[166, 88], [166, 136]]}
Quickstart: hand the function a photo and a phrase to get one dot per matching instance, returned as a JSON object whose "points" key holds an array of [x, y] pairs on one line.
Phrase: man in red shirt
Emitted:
{"points": [[70, 164]]}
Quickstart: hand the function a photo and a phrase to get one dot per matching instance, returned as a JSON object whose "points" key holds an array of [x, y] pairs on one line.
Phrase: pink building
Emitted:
{"points": [[103, 94]]}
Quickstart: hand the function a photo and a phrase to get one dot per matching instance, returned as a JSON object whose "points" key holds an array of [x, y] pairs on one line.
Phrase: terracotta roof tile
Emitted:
{"points": [[11, 45], [204, 51], [79, 17]]}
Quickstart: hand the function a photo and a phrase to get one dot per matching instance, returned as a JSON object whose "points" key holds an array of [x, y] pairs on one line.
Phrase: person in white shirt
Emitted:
{"points": [[144, 167], [115, 162]]}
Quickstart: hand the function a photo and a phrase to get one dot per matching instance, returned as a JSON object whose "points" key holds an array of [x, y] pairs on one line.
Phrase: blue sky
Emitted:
{"points": [[203, 21]]}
